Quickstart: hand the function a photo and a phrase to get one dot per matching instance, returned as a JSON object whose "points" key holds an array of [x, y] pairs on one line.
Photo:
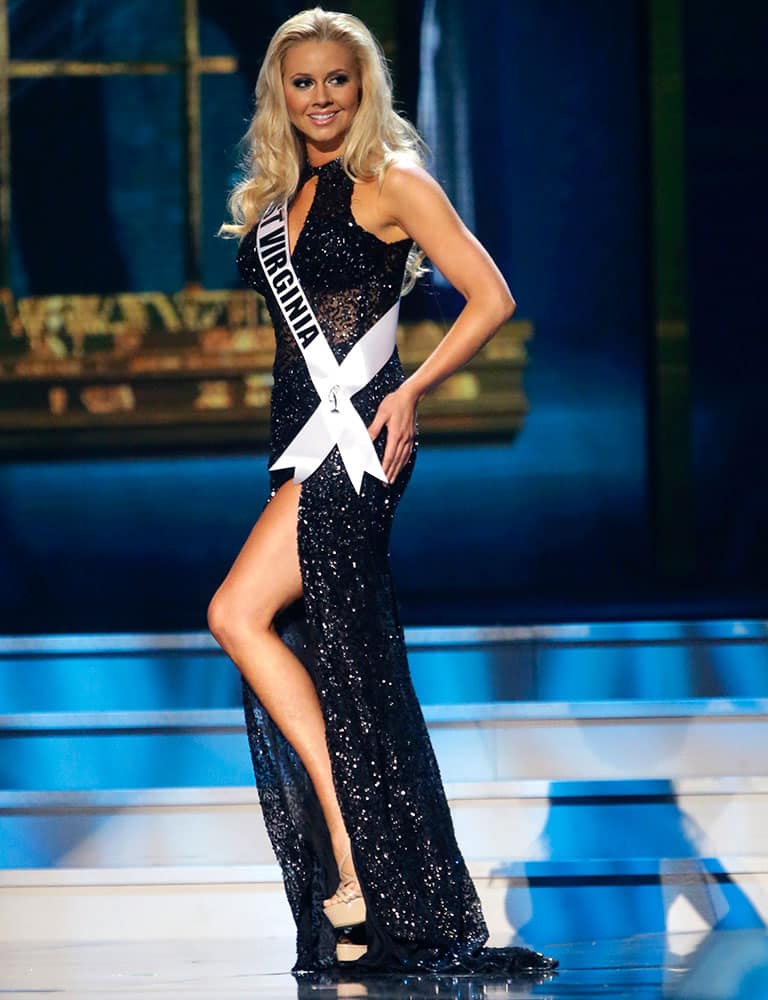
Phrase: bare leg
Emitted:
{"points": [[265, 578]]}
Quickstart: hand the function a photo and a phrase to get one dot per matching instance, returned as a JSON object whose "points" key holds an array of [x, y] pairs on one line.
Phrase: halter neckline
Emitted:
{"points": [[310, 171]]}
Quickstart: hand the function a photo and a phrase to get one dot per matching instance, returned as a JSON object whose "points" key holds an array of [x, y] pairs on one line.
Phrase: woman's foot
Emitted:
{"points": [[346, 907]]}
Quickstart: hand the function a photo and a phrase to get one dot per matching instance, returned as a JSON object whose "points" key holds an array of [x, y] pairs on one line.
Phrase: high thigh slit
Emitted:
{"points": [[345, 664], [422, 910]]}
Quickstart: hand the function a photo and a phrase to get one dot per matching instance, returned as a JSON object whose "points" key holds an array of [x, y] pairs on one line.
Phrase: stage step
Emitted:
{"points": [[594, 662], [537, 900], [573, 822], [550, 741], [556, 860]]}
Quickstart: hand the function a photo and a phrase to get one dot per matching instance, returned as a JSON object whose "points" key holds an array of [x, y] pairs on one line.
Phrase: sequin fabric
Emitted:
{"points": [[423, 912]]}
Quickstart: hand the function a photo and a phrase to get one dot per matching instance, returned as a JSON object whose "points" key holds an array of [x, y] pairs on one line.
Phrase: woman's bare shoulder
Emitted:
{"points": [[409, 191], [403, 176]]}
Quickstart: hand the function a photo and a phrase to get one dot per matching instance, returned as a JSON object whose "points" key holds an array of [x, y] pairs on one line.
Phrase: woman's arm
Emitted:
{"points": [[419, 206]]}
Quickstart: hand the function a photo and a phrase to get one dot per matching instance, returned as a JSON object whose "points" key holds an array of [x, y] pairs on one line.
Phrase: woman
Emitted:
{"points": [[334, 203]]}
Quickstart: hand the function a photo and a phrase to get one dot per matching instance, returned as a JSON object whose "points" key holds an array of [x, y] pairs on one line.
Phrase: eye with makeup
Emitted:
{"points": [[302, 82]]}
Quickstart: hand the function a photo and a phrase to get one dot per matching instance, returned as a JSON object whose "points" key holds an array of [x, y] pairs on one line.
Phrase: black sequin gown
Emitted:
{"points": [[423, 912]]}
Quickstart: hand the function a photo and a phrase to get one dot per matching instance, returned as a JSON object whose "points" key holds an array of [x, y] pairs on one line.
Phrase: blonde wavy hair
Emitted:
{"points": [[273, 149]]}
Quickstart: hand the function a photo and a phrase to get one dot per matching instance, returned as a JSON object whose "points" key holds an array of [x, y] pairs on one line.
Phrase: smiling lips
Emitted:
{"points": [[323, 117]]}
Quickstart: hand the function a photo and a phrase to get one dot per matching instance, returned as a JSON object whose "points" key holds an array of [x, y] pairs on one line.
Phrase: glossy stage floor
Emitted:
{"points": [[720, 965]]}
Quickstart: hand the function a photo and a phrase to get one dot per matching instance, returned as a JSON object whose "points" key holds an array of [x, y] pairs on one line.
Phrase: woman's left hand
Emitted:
{"points": [[396, 412]]}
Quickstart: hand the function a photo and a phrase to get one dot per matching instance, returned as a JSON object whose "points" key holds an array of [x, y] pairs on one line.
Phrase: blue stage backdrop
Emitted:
{"points": [[554, 526], [727, 203]]}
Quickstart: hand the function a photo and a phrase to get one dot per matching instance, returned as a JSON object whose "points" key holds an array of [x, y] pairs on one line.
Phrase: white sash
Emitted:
{"points": [[335, 420]]}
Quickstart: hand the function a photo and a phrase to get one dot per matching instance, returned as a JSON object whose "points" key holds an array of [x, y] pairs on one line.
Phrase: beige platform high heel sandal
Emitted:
{"points": [[350, 908], [349, 951]]}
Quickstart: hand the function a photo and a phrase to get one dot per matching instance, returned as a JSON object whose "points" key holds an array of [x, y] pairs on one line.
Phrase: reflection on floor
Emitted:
{"points": [[721, 965]]}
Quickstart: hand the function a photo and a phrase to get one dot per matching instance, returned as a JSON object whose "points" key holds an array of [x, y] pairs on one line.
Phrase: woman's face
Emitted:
{"points": [[322, 91]]}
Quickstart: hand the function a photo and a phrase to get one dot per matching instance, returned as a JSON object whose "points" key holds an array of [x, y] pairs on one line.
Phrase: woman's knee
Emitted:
{"points": [[217, 616], [264, 578], [230, 618]]}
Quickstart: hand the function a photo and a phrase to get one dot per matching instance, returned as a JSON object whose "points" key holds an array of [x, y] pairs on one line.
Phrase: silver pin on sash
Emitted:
{"points": [[334, 399]]}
